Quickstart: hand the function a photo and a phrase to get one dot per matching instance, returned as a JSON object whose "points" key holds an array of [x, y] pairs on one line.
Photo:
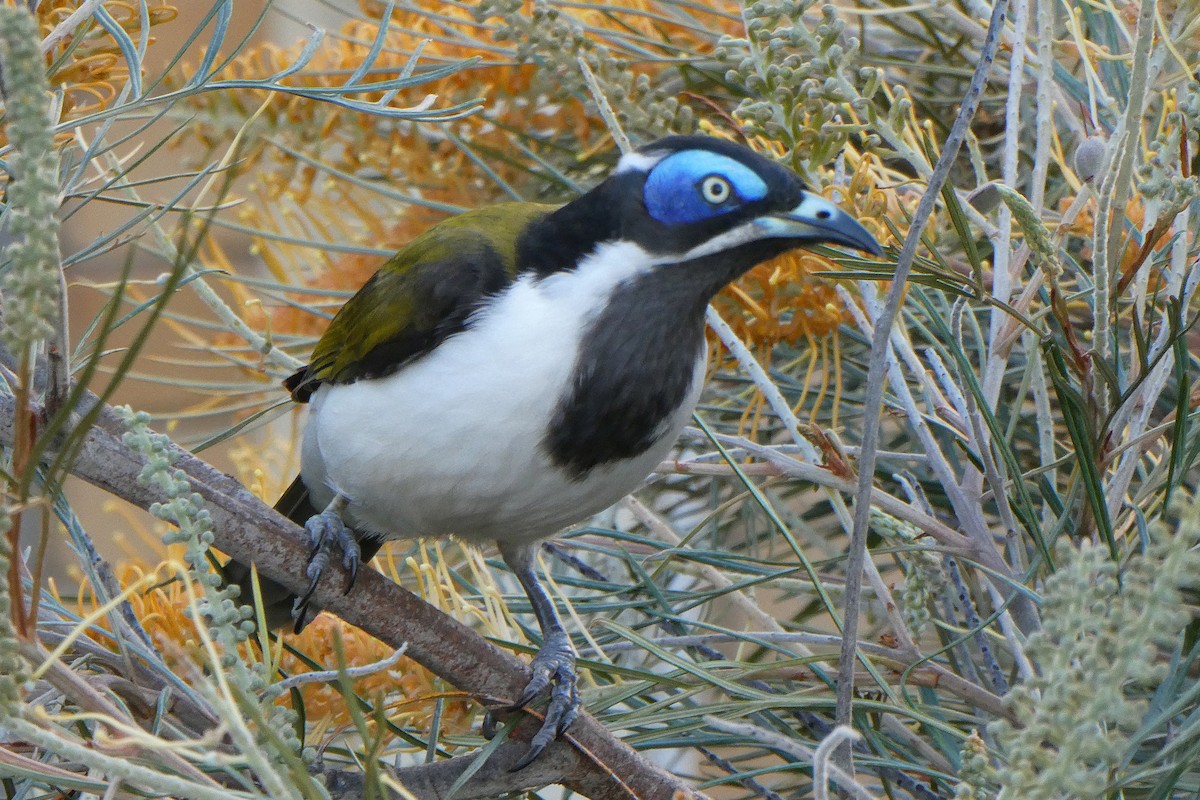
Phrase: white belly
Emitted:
{"points": [[452, 443]]}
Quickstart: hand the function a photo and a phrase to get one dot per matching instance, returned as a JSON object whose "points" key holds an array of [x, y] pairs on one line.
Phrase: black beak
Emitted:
{"points": [[815, 219]]}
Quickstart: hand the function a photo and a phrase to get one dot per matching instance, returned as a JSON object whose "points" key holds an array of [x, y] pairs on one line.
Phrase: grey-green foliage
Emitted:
{"points": [[976, 773], [185, 509], [29, 263], [1098, 659], [924, 578], [230, 623], [1160, 178], [12, 666], [790, 77], [555, 41], [1037, 236]]}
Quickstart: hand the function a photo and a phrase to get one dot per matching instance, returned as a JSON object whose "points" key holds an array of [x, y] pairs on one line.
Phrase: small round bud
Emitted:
{"points": [[985, 199], [1089, 157]]}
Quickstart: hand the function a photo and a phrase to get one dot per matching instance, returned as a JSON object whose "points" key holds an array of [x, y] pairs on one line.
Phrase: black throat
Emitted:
{"points": [[637, 360], [634, 368]]}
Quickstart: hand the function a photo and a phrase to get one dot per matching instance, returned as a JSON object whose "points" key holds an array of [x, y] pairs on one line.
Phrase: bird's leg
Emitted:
{"points": [[324, 530], [554, 662]]}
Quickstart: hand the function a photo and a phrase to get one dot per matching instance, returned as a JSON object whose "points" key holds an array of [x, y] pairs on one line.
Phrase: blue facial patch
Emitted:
{"points": [[675, 192]]}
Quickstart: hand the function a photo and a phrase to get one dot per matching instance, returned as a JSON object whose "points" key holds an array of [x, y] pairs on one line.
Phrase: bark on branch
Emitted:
{"points": [[590, 760]]}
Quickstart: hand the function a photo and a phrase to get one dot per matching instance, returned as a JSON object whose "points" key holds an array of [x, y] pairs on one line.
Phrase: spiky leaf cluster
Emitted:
{"points": [[29, 262], [791, 77], [230, 623], [645, 106], [1097, 659]]}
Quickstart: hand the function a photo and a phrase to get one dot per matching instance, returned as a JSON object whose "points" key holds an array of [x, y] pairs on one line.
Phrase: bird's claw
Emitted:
{"points": [[324, 531], [553, 667]]}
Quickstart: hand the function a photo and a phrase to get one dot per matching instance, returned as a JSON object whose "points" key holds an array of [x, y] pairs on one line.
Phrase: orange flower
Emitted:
{"points": [[88, 63], [408, 691]]}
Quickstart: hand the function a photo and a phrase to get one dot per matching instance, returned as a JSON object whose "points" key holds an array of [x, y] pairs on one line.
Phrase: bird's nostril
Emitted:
{"points": [[824, 214]]}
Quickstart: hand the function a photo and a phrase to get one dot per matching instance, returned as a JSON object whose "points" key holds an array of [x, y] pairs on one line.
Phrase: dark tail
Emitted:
{"points": [[278, 601]]}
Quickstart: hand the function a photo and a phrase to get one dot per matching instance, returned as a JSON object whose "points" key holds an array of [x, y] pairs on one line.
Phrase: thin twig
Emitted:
{"points": [[873, 402], [603, 106], [974, 623], [822, 765], [792, 749], [1110, 233], [760, 792], [820, 476], [331, 675]]}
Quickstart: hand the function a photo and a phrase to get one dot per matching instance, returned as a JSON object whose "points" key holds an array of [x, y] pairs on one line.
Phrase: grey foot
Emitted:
{"points": [[324, 531], [553, 668]]}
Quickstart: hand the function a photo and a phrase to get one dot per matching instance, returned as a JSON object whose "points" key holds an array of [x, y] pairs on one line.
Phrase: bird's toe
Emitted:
{"points": [[554, 668], [564, 703], [325, 531]]}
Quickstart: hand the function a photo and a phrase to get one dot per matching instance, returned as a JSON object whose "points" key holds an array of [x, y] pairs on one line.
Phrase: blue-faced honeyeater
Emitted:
{"points": [[519, 368]]}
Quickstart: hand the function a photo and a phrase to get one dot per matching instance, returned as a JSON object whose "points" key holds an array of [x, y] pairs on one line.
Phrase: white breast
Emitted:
{"points": [[452, 443]]}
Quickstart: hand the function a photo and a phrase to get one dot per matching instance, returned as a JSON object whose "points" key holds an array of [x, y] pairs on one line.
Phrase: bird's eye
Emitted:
{"points": [[694, 186], [715, 189]]}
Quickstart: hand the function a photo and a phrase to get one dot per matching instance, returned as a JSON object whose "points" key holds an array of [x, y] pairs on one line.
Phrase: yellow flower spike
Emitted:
{"points": [[387, 564], [748, 301], [92, 68], [433, 587], [94, 71], [93, 617], [823, 387], [162, 14], [495, 613], [813, 359], [757, 408], [414, 567], [460, 607], [744, 423]]}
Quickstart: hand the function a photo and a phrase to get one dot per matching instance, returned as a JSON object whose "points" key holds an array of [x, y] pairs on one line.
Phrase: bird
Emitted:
{"points": [[520, 367]]}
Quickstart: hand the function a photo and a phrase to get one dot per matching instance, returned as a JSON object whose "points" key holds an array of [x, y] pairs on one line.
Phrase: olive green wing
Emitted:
{"points": [[423, 294]]}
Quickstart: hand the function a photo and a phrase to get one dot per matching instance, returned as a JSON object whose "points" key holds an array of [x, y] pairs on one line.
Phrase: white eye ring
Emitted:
{"points": [[715, 189]]}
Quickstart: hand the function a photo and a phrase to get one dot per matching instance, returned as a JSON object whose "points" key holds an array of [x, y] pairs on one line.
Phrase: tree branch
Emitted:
{"points": [[434, 781], [589, 760]]}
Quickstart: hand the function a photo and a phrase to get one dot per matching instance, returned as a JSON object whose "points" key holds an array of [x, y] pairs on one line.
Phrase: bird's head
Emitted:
{"points": [[694, 196], [710, 204]]}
